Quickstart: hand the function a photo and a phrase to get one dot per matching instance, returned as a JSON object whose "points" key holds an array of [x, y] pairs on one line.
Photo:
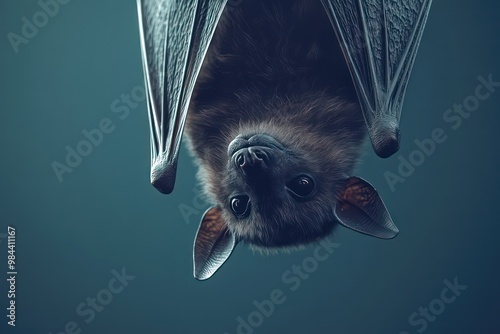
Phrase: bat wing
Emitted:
{"points": [[175, 36], [380, 39]]}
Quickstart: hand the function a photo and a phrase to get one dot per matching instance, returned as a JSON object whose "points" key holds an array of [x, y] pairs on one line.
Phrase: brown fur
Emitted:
{"points": [[275, 67]]}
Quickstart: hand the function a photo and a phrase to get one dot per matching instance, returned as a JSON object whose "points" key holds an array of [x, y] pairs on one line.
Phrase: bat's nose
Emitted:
{"points": [[251, 159]]}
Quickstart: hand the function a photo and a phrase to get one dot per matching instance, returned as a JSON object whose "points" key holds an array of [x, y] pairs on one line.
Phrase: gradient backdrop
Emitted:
{"points": [[75, 236]]}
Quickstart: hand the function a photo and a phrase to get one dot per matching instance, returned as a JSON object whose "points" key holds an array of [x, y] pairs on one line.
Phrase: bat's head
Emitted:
{"points": [[277, 195], [280, 190], [285, 193]]}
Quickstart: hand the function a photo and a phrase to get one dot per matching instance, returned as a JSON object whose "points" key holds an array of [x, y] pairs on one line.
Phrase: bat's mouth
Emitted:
{"points": [[246, 141]]}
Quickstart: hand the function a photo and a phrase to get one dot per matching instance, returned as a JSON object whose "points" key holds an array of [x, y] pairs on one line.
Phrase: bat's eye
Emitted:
{"points": [[240, 206], [302, 186]]}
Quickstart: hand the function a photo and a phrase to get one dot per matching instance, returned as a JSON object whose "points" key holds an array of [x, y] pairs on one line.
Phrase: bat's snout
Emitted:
{"points": [[258, 140], [256, 158], [253, 159]]}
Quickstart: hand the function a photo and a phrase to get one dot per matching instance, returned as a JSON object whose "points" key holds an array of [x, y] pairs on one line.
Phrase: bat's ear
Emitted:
{"points": [[360, 208], [213, 244]]}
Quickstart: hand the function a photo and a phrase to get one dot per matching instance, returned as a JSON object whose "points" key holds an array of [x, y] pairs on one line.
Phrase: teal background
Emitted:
{"points": [[105, 215]]}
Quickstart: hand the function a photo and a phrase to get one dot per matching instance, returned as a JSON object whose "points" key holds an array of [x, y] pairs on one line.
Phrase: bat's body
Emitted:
{"points": [[273, 70], [281, 95]]}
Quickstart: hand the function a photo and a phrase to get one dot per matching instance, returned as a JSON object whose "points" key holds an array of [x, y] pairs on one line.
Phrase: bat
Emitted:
{"points": [[277, 98]]}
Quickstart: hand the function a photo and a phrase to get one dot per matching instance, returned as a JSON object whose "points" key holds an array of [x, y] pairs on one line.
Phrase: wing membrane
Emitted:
{"points": [[380, 39], [175, 36]]}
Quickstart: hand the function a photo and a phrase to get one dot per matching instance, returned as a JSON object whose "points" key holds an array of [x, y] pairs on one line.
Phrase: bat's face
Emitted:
{"points": [[281, 178], [278, 192], [277, 181], [284, 182]]}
